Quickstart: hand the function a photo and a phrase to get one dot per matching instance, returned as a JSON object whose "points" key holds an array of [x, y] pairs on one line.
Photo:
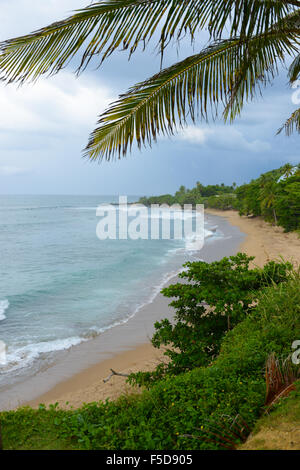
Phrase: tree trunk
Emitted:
{"points": [[275, 216]]}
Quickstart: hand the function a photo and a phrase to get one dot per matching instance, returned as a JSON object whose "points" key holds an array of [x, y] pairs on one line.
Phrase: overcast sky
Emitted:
{"points": [[44, 127]]}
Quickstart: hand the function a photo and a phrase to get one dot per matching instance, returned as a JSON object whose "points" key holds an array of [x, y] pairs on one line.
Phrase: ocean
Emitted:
{"points": [[60, 285]]}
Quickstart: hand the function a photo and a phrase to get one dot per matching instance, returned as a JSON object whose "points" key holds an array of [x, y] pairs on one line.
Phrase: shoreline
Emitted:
{"points": [[264, 241], [70, 394], [136, 355], [261, 240]]}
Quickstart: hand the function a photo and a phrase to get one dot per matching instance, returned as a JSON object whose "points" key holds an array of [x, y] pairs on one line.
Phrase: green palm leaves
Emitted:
{"points": [[292, 123], [259, 34], [294, 69], [97, 29], [191, 87], [107, 25]]}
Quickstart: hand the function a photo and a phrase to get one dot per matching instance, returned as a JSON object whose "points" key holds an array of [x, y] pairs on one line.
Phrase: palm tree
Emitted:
{"points": [[268, 191], [249, 39], [287, 170]]}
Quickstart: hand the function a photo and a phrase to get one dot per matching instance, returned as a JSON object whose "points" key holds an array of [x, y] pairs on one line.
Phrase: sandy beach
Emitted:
{"points": [[262, 240]]}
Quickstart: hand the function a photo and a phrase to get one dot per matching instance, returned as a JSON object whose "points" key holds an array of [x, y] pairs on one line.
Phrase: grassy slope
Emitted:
{"points": [[29, 429], [280, 429]]}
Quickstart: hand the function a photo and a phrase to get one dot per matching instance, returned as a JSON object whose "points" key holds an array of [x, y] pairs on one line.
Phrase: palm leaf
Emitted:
{"points": [[252, 18], [292, 123], [193, 86], [105, 26], [290, 27], [294, 69], [101, 28]]}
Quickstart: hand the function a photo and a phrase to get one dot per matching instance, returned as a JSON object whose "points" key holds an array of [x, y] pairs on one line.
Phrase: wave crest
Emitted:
{"points": [[4, 304]]}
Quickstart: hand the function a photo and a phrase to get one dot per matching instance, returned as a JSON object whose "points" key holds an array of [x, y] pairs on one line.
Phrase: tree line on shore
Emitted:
{"points": [[274, 195]]}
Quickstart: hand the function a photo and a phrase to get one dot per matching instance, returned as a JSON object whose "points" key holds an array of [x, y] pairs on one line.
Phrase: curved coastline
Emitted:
{"points": [[77, 377], [126, 346]]}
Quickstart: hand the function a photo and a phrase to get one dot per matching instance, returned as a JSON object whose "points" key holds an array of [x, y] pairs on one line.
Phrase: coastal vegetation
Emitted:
{"points": [[214, 299], [234, 327], [274, 195], [213, 402], [248, 42]]}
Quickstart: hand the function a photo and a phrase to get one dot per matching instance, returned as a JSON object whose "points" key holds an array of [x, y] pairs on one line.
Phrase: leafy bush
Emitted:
{"points": [[216, 297], [221, 202]]}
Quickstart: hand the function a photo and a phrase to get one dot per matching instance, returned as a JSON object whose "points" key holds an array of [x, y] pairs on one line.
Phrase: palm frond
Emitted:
{"points": [[290, 27], [193, 86], [102, 27], [105, 26], [251, 18], [294, 69], [291, 124]]}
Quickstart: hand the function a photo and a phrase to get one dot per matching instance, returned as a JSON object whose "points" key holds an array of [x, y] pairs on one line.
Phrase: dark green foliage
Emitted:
{"points": [[287, 203], [214, 299], [248, 202], [217, 195], [274, 195], [221, 202], [193, 403], [164, 199]]}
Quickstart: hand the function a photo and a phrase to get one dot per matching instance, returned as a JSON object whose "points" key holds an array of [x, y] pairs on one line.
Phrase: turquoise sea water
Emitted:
{"points": [[61, 285]]}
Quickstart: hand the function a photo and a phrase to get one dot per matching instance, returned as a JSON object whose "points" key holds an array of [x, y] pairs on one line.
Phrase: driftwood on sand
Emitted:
{"points": [[113, 372]]}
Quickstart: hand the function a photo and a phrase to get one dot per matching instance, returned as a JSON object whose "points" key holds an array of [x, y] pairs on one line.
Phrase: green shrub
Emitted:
{"points": [[215, 298], [221, 202]]}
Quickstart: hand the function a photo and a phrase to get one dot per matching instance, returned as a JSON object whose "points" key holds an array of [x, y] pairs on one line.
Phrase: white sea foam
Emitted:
{"points": [[85, 208], [4, 304], [209, 233], [193, 237], [153, 213], [24, 356], [2, 353], [166, 214]]}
